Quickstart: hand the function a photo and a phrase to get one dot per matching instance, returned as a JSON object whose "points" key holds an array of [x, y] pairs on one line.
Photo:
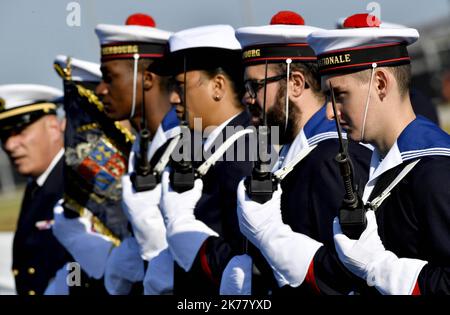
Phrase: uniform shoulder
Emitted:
{"points": [[430, 179], [325, 150], [433, 170], [320, 159], [328, 149], [331, 146]]}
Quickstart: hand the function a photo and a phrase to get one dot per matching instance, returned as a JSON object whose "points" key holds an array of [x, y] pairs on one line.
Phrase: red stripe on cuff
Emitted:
{"points": [[204, 263], [311, 280], [416, 290]]}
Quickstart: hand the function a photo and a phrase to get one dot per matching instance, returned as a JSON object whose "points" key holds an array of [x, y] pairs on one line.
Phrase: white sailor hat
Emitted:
{"points": [[360, 45], [138, 36], [209, 36], [203, 47], [80, 70], [22, 104], [284, 39]]}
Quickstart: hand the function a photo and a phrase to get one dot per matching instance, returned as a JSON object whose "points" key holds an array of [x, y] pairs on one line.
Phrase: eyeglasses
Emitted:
{"points": [[253, 86]]}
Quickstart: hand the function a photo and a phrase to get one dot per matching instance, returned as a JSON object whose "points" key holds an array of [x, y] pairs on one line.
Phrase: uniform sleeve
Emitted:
{"points": [[433, 200], [212, 259], [326, 275], [216, 252]]}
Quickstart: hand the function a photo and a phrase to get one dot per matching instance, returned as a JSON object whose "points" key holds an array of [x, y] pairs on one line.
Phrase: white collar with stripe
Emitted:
{"points": [[216, 132], [168, 129], [317, 129], [419, 139], [43, 177]]}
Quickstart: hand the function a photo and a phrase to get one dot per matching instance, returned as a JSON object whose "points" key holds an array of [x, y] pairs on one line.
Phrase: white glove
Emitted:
{"points": [[368, 259], [142, 210], [124, 267], [287, 252], [88, 248], [185, 234], [237, 276], [159, 275]]}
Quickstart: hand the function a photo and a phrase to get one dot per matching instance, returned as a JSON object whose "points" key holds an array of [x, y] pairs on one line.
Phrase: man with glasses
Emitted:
{"points": [[293, 229]]}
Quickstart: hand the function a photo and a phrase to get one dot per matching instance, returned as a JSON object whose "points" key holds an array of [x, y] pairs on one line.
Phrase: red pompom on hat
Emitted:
{"points": [[141, 20], [361, 20], [287, 18]]}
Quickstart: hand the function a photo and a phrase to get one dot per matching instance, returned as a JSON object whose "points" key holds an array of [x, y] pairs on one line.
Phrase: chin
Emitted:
{"points": [[354, 135], [115, 116], [23, 171], [110, 114]]}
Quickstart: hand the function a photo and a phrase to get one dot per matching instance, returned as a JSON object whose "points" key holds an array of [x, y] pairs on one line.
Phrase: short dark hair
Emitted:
{"points": [[311, 72], [234, 74], [144, 64], [402, 75]]}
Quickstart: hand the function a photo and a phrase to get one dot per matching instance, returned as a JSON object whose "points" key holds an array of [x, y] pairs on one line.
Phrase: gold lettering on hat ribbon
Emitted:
{"points": [[334, 60]]}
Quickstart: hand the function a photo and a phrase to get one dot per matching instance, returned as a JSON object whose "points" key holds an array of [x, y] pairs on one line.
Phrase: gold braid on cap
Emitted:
{"points": [[65, 73]]}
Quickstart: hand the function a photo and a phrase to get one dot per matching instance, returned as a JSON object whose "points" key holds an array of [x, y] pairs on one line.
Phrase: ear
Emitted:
{"points": [[148, 80], [62, 125], [296, 83], [383, 81], [55, 127], [218, 87]]}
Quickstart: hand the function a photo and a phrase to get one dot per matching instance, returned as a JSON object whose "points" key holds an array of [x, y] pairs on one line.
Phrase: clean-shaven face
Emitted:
{"points": [[350, 95]]}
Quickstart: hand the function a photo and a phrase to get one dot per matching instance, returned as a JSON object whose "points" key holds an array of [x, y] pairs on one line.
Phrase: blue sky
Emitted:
{"points": [[32, 33]]}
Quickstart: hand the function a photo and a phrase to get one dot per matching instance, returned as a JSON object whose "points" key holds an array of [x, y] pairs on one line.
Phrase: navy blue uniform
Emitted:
{"points": [[312, 194], [37, 255], [217, 209], [414, 221]]}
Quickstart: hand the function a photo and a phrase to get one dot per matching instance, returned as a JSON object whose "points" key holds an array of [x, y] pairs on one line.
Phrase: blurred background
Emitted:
{"points": [[32, 33]]}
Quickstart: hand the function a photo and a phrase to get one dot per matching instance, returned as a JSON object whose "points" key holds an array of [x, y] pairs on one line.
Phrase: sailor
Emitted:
{"points": [[133, 88], [293, 228], [421, 103], [404, 247], [202, 228]]}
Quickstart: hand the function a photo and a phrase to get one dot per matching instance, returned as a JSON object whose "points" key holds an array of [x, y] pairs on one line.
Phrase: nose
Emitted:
{"points": [[101, 89], [248, 100], [330, 112], [174, 97]]}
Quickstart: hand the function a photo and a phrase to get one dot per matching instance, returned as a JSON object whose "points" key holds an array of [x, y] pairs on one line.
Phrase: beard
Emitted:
{"points": [[276, 116]]}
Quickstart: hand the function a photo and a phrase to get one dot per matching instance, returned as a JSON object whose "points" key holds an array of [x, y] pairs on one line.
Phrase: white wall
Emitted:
{"points": [[6, 277]]}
